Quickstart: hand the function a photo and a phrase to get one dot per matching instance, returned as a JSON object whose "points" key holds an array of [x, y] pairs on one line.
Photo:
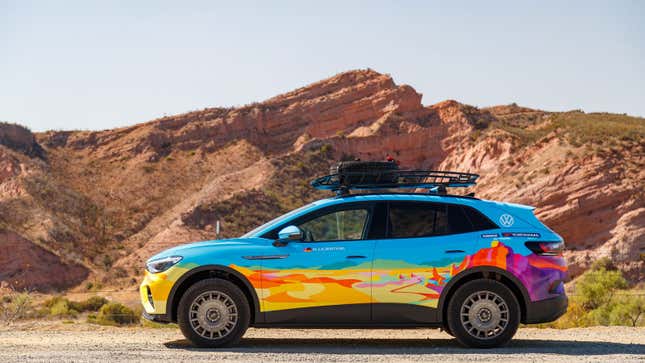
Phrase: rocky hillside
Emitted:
{"points": [[94, 205]]}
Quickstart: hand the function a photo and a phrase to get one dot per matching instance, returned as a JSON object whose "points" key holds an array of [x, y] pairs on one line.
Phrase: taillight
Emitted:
{"points": [[546, 248]]}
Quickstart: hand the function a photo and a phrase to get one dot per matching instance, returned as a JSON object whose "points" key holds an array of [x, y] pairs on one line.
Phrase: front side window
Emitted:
{"points": [[344, 225]]}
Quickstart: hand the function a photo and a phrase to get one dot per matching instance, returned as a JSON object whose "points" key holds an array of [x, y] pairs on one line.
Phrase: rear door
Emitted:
{"points": [[425, 245], [324, 279]]}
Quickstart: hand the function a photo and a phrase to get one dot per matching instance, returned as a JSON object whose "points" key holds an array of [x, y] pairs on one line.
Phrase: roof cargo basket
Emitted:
{"points": [[433, 180]]}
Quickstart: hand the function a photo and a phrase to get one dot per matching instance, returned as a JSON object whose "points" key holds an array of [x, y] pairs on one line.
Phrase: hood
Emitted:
{"points": [[195, 248]]}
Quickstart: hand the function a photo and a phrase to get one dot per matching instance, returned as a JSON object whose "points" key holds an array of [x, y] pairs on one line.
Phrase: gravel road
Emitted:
{"points": [[84, 342]]}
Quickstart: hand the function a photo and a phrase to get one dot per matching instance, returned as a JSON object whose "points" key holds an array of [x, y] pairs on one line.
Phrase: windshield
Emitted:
{"points": [[276, 220]]}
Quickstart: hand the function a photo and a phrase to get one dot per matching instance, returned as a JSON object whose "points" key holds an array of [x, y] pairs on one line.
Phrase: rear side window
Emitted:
{"points": [[407, 220], [479, 221], [415, 220], [457, 220]]}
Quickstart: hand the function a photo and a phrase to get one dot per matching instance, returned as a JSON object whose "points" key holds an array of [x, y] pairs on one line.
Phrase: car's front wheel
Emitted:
{"points": [[483, 314], [213, 313]]}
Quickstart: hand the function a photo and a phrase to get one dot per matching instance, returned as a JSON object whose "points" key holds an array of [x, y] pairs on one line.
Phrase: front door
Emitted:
{"points": [[325, 278], [426, 245]]}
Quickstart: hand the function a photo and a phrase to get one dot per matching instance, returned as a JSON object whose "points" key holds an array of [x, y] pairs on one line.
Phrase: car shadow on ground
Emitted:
{"points": [[416, 346]]}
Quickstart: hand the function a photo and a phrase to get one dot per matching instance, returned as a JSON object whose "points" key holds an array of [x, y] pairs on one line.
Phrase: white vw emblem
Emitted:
{"points": [[506, 220]]}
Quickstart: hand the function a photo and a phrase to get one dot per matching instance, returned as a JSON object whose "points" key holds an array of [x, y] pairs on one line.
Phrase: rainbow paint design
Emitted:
{"points": [[420, 285]]}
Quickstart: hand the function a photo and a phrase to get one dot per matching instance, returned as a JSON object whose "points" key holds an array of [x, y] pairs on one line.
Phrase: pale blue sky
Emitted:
{"points": [[102, 64]]}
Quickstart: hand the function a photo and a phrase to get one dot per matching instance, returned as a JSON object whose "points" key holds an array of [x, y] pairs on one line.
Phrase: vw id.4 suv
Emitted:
{"points": [[474, 268]]}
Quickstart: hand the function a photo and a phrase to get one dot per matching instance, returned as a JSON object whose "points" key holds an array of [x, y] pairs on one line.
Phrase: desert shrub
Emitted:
{"points": [[601, 299], [628, 310], [61, 308], [107, 262], [15, 306], [603, 263], [93, 303], [119, 272], [53, 301], [575, 317], [114, 313], [597, 286]]}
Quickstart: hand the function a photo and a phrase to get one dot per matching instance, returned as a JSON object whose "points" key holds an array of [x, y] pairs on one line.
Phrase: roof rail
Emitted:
{"points": [[435, 181]]}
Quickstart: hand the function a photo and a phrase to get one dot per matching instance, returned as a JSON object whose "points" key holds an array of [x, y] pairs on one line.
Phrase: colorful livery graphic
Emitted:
{"points": [[289, 288], [372, 260]]}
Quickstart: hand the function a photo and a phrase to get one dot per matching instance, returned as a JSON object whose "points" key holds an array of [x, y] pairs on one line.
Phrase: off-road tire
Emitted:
{"points": [[227, 291], [499, 295]]}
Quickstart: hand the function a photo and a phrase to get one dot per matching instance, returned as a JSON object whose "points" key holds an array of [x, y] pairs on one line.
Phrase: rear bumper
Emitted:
{"points": [[545, 311]]}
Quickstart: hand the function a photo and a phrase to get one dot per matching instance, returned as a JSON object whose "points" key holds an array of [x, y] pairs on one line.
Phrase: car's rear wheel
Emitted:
{"points": [[483, 314], [213, 313]]}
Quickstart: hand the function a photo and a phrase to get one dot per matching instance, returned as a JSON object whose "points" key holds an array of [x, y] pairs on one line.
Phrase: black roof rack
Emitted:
{"points": [[434, 180]]}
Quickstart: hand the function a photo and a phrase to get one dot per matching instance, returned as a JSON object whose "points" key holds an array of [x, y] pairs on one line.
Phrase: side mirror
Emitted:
{"points": [[288, 233]]}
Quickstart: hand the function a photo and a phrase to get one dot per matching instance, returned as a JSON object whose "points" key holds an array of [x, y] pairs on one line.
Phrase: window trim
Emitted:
{"points": [[416, 202], [368, 206]]}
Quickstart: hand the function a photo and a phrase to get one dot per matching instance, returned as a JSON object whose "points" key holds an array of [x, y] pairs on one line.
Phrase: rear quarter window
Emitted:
{"points": [[477, 219]]}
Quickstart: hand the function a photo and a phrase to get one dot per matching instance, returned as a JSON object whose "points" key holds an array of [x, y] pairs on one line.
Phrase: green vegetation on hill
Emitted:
{"points": [[578, 128], [598, 128]]}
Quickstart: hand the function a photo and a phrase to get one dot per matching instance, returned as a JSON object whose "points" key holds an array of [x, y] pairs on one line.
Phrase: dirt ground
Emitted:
{"points": [[84, 342]]}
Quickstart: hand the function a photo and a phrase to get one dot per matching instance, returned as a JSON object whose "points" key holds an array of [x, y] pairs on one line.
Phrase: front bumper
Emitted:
{"points": [[157, 318], [547, 310], [155, 289]]}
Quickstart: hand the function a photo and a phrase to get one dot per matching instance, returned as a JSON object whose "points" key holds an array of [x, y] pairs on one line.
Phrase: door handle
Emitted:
{"points": [[454, 251], [355, 256]]}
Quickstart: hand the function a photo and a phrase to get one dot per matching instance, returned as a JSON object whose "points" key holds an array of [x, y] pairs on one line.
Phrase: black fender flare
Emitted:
{"points": [[215, 268], [449, 288]]}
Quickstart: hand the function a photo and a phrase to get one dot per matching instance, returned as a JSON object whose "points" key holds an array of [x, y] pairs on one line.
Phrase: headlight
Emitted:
{"points": [[162, 264]]}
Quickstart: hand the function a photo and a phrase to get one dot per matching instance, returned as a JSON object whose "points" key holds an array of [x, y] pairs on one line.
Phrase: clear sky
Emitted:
{"points": [[102, 64]]}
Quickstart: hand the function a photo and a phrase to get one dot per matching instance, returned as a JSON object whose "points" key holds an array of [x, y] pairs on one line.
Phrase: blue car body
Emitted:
{"points": [[380, 276]]}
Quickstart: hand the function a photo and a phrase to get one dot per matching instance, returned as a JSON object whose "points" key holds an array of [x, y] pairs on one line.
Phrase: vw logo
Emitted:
{"points": [[506, 220]]}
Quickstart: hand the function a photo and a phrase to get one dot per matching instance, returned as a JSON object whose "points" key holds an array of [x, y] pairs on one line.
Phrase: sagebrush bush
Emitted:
{"points": [[602, 299], [114, 313], [93, 303], [597, 287], [575, 317], [15, 306], [53, 301], [61, 307], [628, 310]]}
